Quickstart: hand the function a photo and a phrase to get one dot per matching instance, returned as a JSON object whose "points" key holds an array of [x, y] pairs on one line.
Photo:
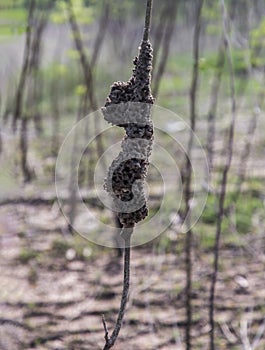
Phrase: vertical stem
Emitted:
{"points": [[243, 163], [159, 33], [86, 66], [171, 14], [101, 32], [214, 96], [188, 175], [110, 341], [211, 118], [23, 76], [222, 196], [148, 16], [27, 175]]}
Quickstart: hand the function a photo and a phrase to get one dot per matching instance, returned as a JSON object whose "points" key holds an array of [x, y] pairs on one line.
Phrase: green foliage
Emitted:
{"points": [[240, 63], [12, 21], [211, 14], [59, 248], [257, 44], [79, 246], [206, 235], [83, 13], [210, 210], [257, 35], [62, 81], [207, 63], [40, 4], [26, 255], [80, 89], [244, 208]]}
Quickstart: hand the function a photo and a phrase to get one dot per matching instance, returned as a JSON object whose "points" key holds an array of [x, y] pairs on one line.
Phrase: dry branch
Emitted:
{"points": [[188, 173], [220, 213], [25, 66], [128, 166]]}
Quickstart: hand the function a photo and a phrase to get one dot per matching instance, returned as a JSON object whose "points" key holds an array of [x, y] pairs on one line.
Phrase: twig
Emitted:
{"points": [[128, 220], [110, 341], [24, 71], [101, 32], [222, 196], [188, 175], [214, 95], [168, 32], [213, 105], [241, 173], [258, 335], [159, 33], [148, 16], [87, 70], [105, 328]]}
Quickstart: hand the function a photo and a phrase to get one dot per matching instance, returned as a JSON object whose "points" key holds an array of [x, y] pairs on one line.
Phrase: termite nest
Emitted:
{"points": [[129, 106]]}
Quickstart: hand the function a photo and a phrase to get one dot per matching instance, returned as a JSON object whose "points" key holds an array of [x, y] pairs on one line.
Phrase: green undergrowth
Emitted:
{"points": [[75, 248], [239, 209], [243, 215]]}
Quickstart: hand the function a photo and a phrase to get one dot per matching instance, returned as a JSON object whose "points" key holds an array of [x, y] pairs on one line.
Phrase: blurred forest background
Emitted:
{"points": [[58, 60]]}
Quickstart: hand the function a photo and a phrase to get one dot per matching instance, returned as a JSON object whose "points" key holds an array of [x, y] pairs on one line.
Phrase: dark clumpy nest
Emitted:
{"points": [[125, 179]]}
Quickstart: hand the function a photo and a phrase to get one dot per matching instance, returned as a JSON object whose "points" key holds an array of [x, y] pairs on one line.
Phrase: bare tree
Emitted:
{"points": [[41, 21], [103, 24], [170, 16], [222, 195], [211, 118], [159, 33], [27, 93], [214, 94], [88, 102], [18, 109], [244, 157], [188, 172]]}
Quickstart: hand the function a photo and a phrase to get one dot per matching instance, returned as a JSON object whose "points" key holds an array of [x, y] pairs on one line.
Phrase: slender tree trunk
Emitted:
{"points": [[188, 174], [127, 231], [73, 184], [211, 118], [18, 109], [23, 141], [89, 96], [169, 29], [158, 34], [103, 24], [244, 157], [55, 110], [220, 213], [34, 65], [110, 341], [86, 66]]}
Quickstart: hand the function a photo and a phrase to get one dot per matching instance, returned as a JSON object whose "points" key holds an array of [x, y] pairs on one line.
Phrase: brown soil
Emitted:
{"points": [[54, 301]]}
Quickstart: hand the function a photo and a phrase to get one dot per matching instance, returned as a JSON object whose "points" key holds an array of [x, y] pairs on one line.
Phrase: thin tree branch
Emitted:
{"points": [[25, 66], [41, 21], [242, 169], [214, 93], [227, 165], [148, 16], [110, 341], [188, 173], [101, 32], [213, 104], [87, 70], [172, 12], [159, 33]]}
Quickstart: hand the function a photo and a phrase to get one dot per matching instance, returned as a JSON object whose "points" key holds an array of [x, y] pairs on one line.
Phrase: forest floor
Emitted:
{"points": [[54, 290]]}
